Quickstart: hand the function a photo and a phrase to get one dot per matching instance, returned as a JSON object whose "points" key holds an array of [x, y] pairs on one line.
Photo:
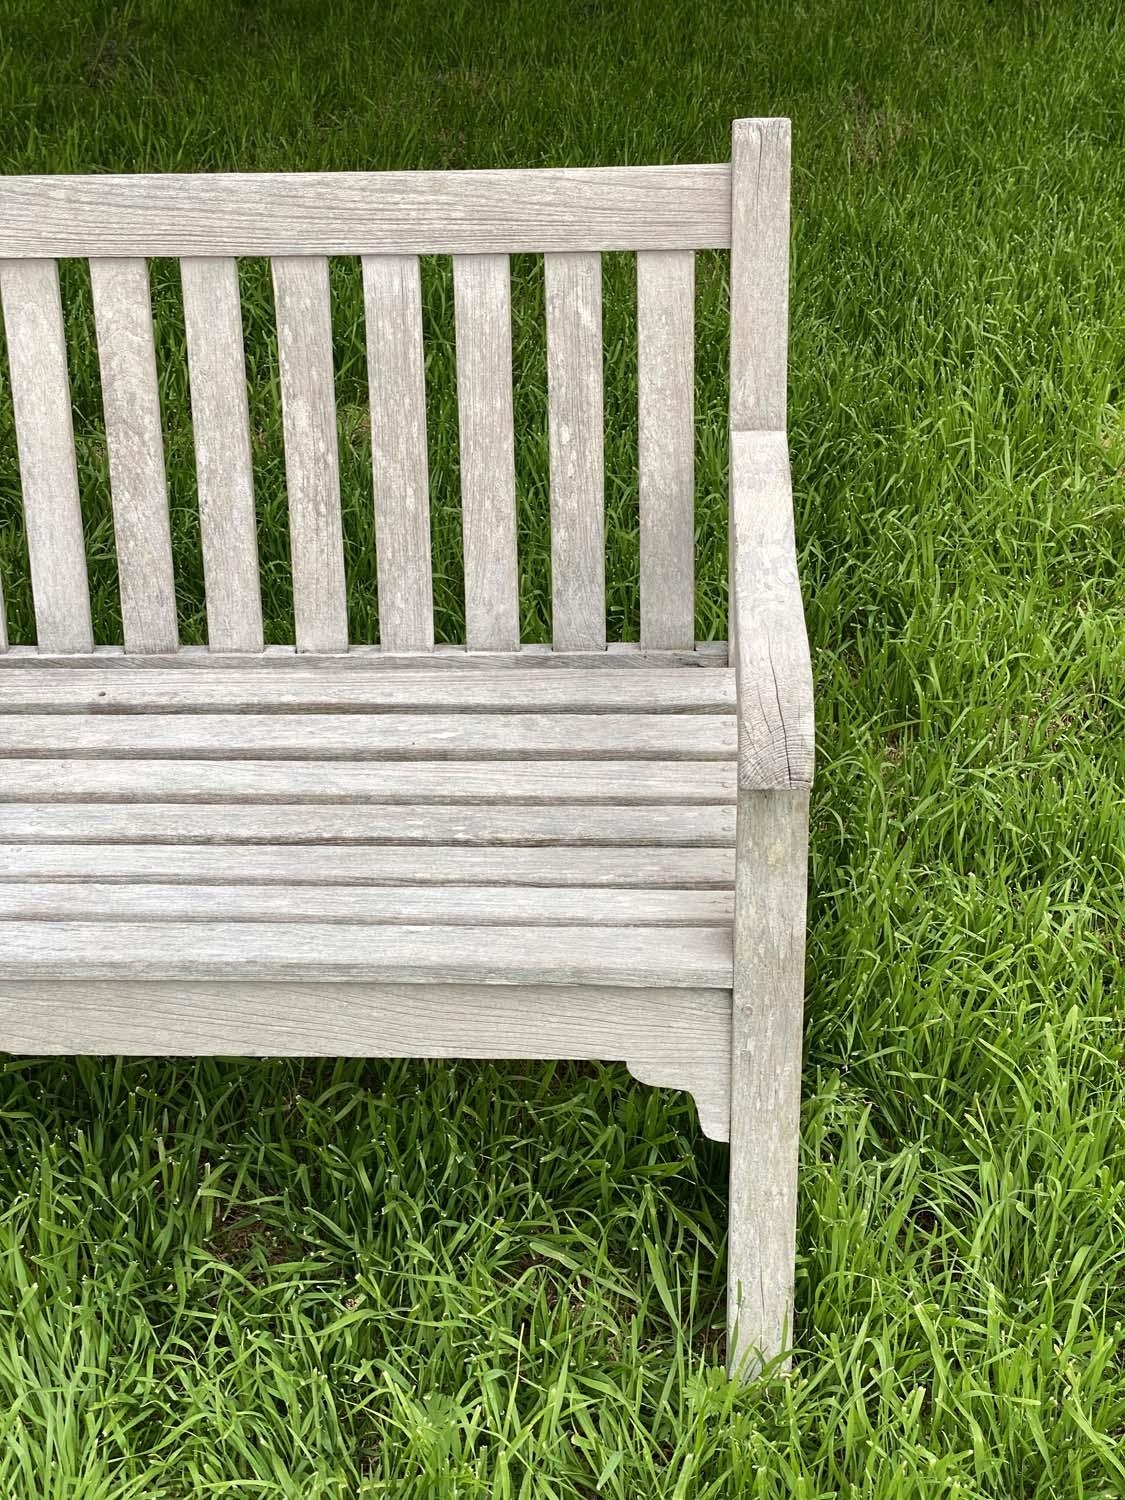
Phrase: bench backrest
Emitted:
{"points": [[387, 219]]}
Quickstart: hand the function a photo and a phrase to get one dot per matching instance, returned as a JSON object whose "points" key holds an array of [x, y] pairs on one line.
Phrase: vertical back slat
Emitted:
{"points": [[3, 620], [392, 291], [312, 459], [131, 402], [482, 305], [221, 421], [759, 274], [33, 321], [574, 385], [666, 374]]}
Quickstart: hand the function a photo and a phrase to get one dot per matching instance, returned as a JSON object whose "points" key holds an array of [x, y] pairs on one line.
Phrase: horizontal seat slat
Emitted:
{"points": [[368, 213], [445, 658], [544, 782], [319, 864], [341, 823], [420, 736], [324, 690], [629, 956], [472, 905]]}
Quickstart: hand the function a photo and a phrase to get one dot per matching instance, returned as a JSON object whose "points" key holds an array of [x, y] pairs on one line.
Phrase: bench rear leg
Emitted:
{"points": [[769, 952]]}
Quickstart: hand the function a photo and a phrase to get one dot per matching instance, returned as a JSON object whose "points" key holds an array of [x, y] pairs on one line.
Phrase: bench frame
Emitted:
{"points": [[479, 217]]}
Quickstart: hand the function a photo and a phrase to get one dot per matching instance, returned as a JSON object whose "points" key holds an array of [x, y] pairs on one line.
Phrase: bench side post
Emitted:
{"points": [[770, 653], [769, 959]]}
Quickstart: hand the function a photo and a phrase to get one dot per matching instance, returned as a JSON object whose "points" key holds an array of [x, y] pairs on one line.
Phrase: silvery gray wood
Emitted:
{"points": [[694, 957], [775, 752], [460, 736], [574, 383], [324, 864], [470, 905], [238, 690], [397, 387], [220, 420], [312, 463], [368, 213], [569, 863], [440, 824], [623, 654], [135, 443], [689, 1049], [666, 397], [3, 620], [769, 641], [769, 975], [772, 662], [33, 325], [651, 1065], [619, 783], [759, 274], [482, 306]]}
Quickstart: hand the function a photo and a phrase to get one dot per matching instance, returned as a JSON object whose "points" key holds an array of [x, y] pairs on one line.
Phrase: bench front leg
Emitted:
{"points": [[769, 972]]}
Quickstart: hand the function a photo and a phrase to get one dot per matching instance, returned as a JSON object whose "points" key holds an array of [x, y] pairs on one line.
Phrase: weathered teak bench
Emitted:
{"points": [[590, 850]]}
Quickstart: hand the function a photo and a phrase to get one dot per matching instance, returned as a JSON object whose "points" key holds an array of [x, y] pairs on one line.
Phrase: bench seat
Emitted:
{"points": [[511, 826]]}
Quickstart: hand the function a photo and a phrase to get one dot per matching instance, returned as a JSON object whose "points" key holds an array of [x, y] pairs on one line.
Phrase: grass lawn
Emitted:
{"points": [[264, 1279]]}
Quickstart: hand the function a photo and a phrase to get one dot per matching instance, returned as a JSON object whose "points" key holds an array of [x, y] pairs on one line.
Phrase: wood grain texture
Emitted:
{"points": [[33, 326], [772, 661], [221, 423], [769, 947], [367, 213], [345, 850], [318, 951], [576, 437], [770, 649], [482, 304], [440, 825], [312, 460], [397, 380], [135, 442], [688, 1048], [650, 866], [443, 906], [666, 376], [649, 1063], [759, 274], [463, 736], [445, 658], [620, 783], [323, 689]]}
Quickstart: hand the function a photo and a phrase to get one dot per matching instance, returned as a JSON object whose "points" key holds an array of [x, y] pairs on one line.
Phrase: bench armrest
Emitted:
{"points": [[769, 642]]}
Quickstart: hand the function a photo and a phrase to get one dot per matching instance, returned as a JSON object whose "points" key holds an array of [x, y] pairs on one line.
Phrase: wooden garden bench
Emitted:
{"points": [[587, 850]]}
